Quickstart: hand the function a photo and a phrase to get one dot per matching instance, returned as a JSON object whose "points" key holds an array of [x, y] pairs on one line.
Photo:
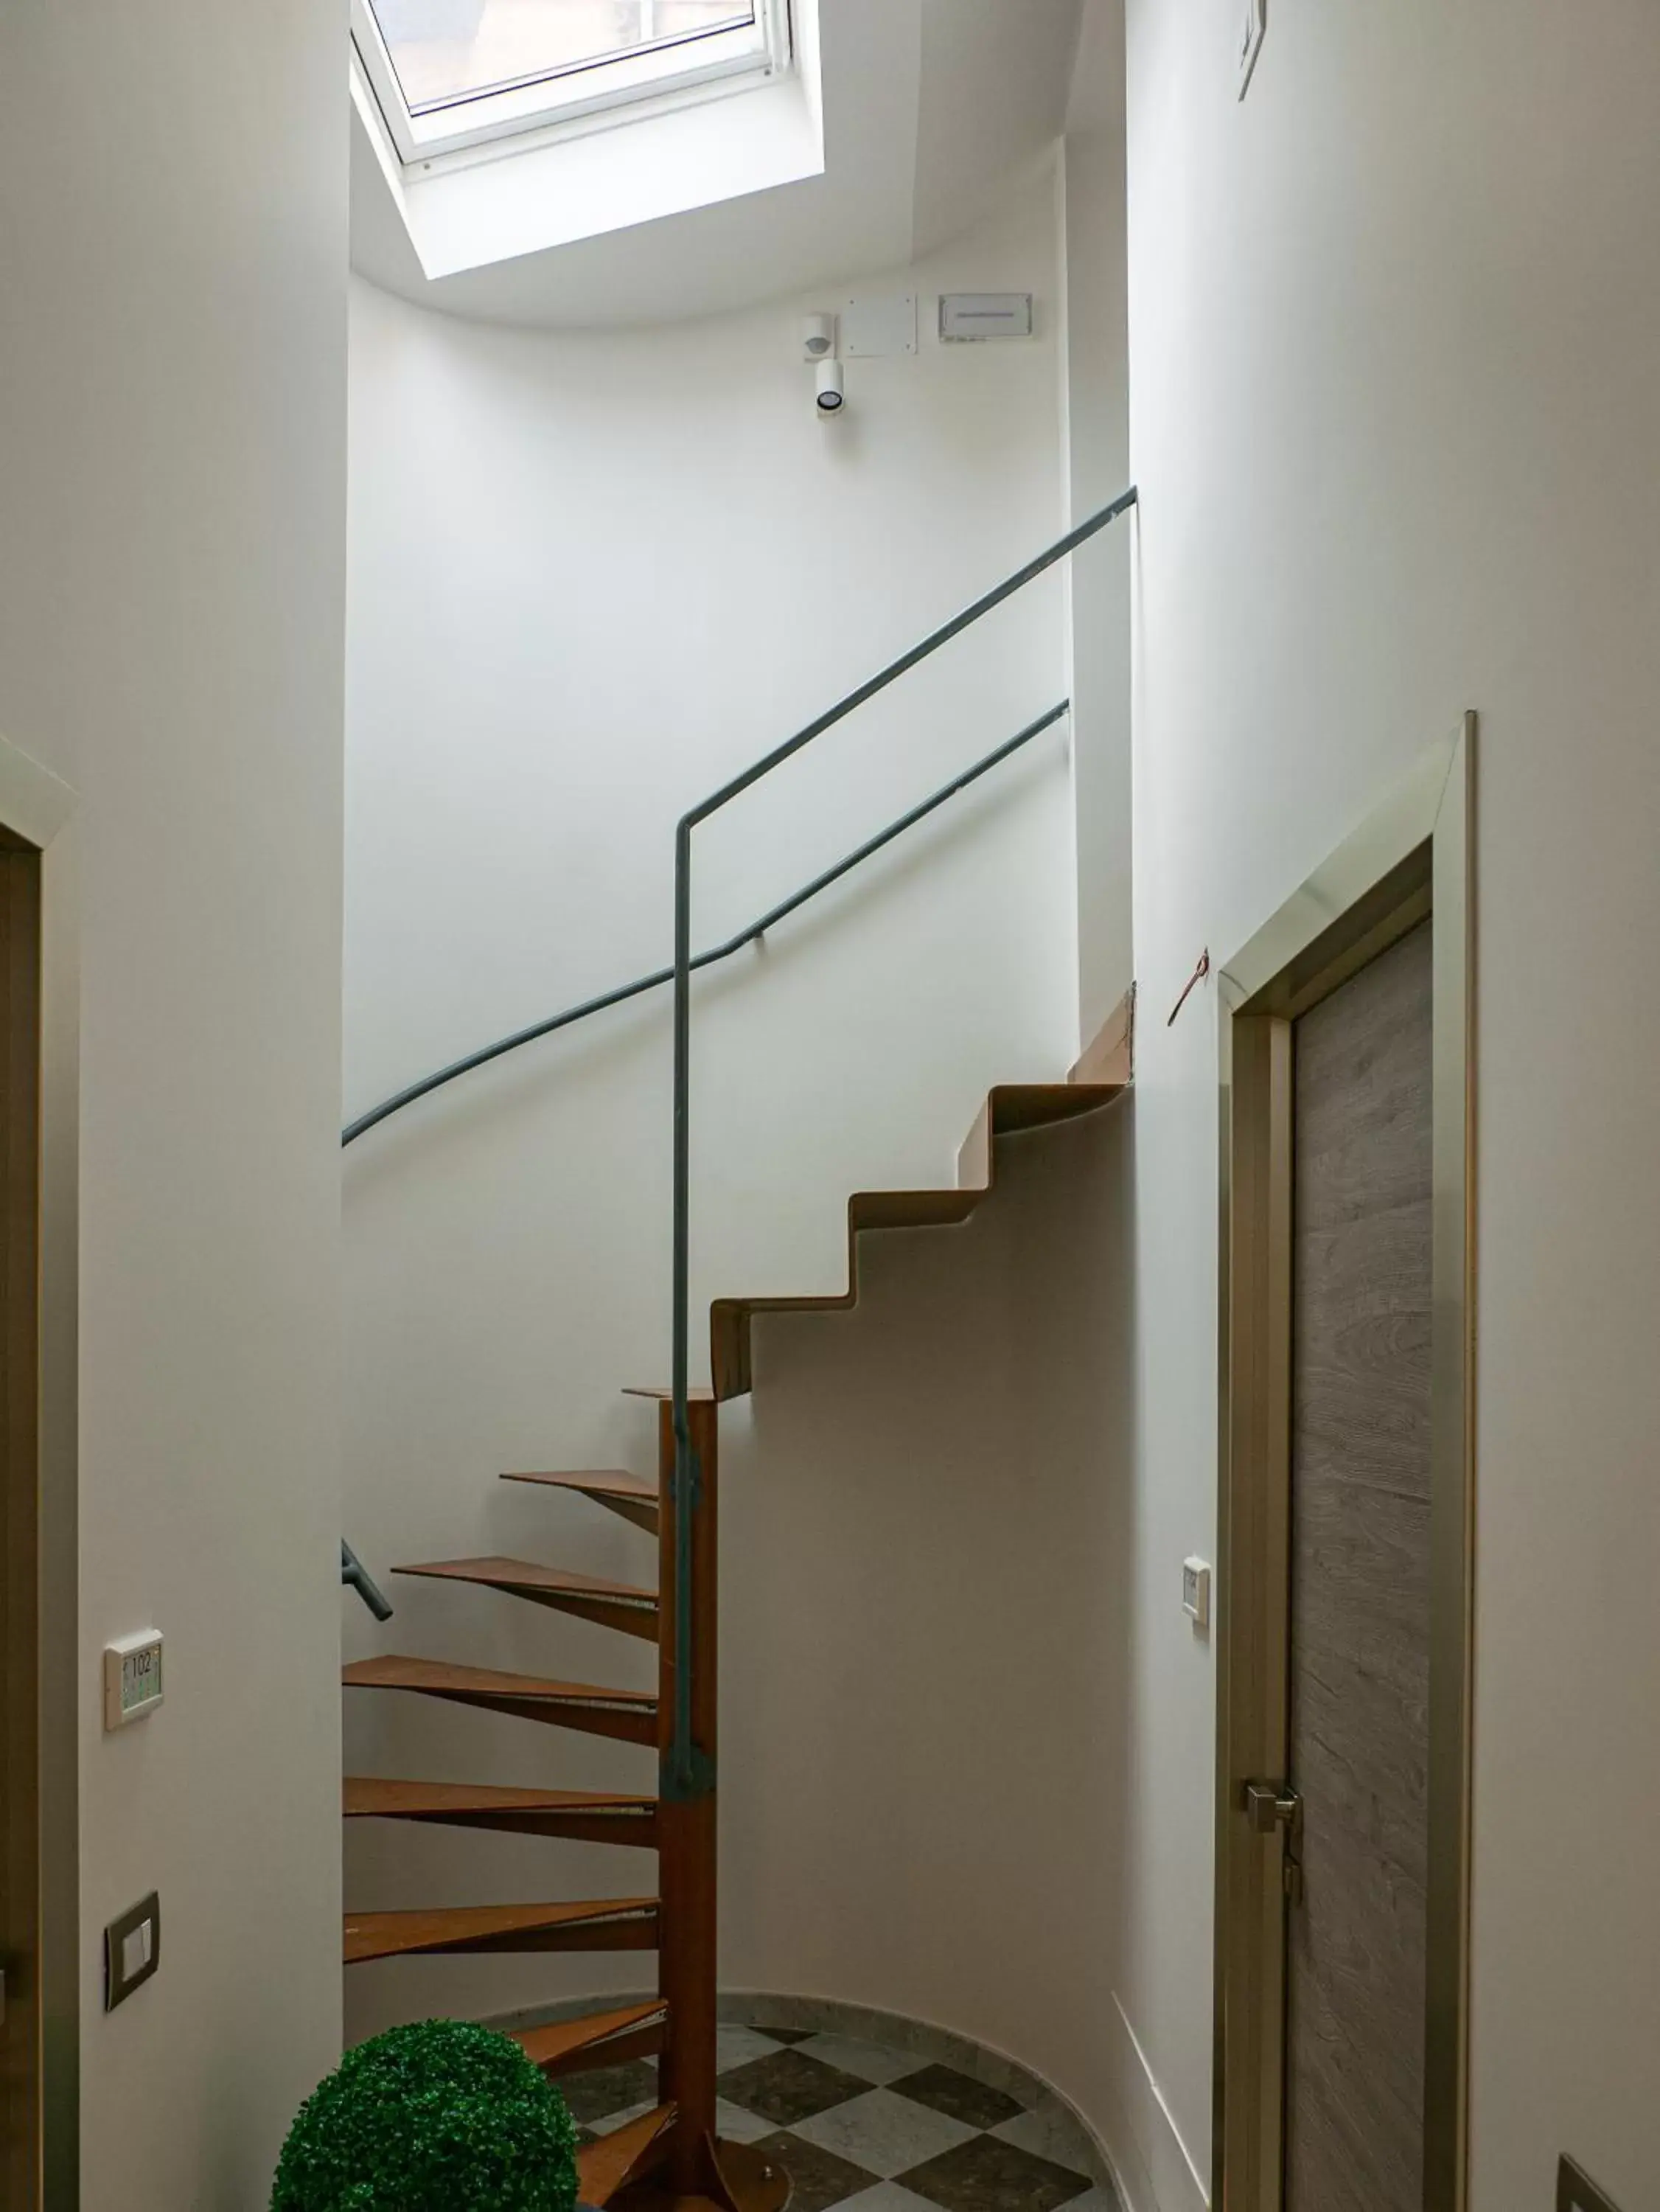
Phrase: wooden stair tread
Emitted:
{"points": [[662, 1392], [488, 1927], [623, 1494], [1010, 1108], [620, 1606], [606, 1483], [368, 1797], [439, 1678], [563, 2043], [1110, 1055], [605, 2167], [528, 1575], [1018, 1106], [626, 1716]]}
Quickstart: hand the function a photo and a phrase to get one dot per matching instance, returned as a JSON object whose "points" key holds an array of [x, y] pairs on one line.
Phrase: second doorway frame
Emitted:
{"points": [[1412, 857]]}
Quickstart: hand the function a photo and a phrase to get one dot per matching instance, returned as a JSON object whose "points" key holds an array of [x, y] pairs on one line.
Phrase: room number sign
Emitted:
{"points": [[132, 1678]]}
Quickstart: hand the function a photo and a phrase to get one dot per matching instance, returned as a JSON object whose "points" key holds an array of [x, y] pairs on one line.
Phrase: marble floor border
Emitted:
{"points": [[932, 2045]]}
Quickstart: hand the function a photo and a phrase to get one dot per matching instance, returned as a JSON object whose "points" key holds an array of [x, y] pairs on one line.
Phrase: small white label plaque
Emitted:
{"points": [[970, 317], [132, 1678]]}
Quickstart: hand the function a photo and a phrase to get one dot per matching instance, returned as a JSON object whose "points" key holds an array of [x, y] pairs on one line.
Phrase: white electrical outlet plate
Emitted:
{"points": [[132, 1678], [132, 1951], [1196, 1591], [874, 327], [1253, 22]]}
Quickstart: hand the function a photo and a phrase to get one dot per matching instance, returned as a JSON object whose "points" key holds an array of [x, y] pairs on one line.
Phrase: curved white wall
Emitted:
{"points": [[590, 577]]}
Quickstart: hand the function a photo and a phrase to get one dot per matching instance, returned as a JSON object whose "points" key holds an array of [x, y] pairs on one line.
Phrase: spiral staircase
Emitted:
{"points": [[670, 2158]]}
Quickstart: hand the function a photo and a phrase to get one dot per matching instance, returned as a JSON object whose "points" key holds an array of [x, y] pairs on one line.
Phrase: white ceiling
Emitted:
{"points": [[930, 107]]}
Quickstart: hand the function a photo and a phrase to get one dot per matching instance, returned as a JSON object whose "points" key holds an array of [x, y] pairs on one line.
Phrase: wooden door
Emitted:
{"points": [[1359, 1598], [20, 1186]]}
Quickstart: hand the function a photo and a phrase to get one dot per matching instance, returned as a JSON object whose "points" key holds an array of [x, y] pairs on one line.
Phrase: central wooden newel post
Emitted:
{"points": [[686, 1827], [697, 2169]]}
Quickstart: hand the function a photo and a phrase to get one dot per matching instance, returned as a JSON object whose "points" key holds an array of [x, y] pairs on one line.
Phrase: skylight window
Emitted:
{"points": [[451, 75]]}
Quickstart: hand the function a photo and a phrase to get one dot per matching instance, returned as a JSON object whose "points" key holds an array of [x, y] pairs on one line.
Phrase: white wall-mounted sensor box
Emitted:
{"points": [[132, 1678], [1196, 1591], [876, 328], [970, 317]]}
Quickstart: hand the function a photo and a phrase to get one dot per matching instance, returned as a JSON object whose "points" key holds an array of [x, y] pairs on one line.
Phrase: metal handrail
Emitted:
{"points": [[751, 935], [690, 1771], [355, 1575], [353, 1572]]}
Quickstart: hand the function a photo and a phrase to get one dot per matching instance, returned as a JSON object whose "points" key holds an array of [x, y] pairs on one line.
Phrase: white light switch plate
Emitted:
{"points": [[1196, 1591], [1253, 22]]}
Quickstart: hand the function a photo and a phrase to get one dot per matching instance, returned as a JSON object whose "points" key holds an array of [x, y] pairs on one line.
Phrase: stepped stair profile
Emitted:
{"points": [[669, 2159]]}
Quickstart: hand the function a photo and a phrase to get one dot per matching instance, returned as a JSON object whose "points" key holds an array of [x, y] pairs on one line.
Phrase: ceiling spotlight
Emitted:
{"points": [[831, 392]]}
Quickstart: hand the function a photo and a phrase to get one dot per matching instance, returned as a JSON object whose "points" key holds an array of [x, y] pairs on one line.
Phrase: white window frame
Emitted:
{"points": [[580, 97]]}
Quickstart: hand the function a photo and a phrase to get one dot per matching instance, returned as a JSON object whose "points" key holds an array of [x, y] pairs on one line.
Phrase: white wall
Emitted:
{"points": [[1394, 352], [1097, 430], [591, 576], [926, 1780], [171, 571]]}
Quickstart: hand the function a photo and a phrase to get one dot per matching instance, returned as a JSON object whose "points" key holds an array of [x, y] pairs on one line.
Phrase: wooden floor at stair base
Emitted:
{"points": [[740, 2180]]}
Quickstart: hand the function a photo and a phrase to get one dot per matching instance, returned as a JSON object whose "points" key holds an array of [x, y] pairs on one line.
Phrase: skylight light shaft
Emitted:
{"points": [[575, 69], [457, 81], [445, 52]]}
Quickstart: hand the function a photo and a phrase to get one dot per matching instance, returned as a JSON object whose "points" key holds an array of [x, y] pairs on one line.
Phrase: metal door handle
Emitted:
{"points": [[1271, 1805]]}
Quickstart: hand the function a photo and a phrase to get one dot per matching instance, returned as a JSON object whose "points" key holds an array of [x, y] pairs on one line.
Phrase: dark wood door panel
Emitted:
{"points": [[1360, 1591], [20, 1186]]}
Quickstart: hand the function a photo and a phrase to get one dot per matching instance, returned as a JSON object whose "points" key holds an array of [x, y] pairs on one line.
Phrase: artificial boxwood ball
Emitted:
{"points": [[442, 2117]]}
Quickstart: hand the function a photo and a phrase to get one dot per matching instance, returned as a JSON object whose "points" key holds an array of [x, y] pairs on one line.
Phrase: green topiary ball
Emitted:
{"points": [[442, 2117]]}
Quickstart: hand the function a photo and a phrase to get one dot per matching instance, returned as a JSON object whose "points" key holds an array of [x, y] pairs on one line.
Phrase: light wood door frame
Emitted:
{"points": [[20, 1462], [1412, 856], [39, 1703]]}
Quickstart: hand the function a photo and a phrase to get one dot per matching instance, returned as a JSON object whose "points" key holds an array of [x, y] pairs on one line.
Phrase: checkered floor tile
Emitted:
{"points": [[873, 2130]]}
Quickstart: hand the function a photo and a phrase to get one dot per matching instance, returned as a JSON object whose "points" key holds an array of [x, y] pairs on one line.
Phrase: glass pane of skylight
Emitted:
{"points": [[447, 50]]}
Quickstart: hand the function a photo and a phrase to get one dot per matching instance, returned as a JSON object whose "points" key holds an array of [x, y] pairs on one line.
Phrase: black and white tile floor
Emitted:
{"points": [[867, 2128]]}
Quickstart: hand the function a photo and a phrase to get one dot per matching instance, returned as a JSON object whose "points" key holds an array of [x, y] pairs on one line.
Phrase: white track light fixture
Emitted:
{"points": [[818, 349]]}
